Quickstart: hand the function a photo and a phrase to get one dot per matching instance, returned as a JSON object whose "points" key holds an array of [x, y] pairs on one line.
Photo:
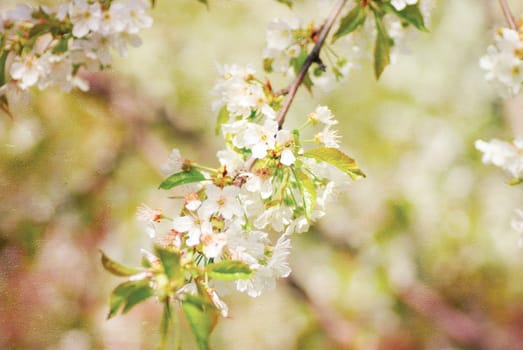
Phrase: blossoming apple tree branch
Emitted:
{"points": [[311, 58]]}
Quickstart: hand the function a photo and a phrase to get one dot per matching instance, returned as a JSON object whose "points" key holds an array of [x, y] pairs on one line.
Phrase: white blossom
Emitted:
{"points": [[401, 4], [223, 201], [174, 163], [260, 138], [328, 137], [27, 70], [246, 246], [84, 17], [504, 62], [213, 244], [323, 115], [505, 155], [192, 225], [278, 217], [265, 276], [149, 216], [286, 140], [218, 302], [261, 183], [231, 160]]}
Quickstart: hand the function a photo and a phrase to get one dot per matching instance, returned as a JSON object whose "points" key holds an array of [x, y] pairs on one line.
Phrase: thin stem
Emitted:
{"points": [[508, 15], [313, 57], [202, 167]]}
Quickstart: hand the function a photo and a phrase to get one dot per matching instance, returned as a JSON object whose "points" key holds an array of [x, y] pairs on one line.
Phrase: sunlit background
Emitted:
{"points": [[419, 255]]}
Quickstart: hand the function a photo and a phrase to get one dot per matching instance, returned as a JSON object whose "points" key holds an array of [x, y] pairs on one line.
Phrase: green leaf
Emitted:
{"points": [[170, 261], [3, 59], [289, 3], [337, 158], [166, 324], [38, 30], [146, 263], [228, 270], [182, 178], [515, 182], [202, 317], [267, 64], [223, 117], [381, 47], [4, 104], [116, 268], [410, 14], [127, 295], [354, 19], [62, 46], [205, 2], [308, 190]]}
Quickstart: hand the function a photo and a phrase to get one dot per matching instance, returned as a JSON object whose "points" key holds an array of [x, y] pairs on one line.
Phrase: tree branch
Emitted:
{"points": [[508, 15], [313, 57]]}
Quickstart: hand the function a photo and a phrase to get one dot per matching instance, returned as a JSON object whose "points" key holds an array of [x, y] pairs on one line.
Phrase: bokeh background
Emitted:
{"points": [[419, 255]]}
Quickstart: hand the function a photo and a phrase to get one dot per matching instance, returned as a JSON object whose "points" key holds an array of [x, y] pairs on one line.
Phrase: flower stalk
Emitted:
{"points": [[508, 14]]}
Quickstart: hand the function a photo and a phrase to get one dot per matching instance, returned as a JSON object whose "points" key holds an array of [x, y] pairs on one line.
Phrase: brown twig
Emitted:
{"points": [[313, 57], [508, 15]]}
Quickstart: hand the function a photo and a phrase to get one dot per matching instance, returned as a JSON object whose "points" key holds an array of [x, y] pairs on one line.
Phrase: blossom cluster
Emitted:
{"points": [[503, 62], [288, 44], [507, 156], [267, 187], [270, 184], [42, 46], [369, 29]]}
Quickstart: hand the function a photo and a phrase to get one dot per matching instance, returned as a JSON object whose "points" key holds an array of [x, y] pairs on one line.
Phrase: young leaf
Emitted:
{"points": [[170, 261], [308, 191], [127, 295], [515, 182], [355, 18], [228, 270], [267, 64], [223, 117], [337, 158], [116, 268], [62, 46], [286, 2], [182, 178], [205, 2], [166, 324], [410, 14], [202, 317], [381, 47], [3, 59]]}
